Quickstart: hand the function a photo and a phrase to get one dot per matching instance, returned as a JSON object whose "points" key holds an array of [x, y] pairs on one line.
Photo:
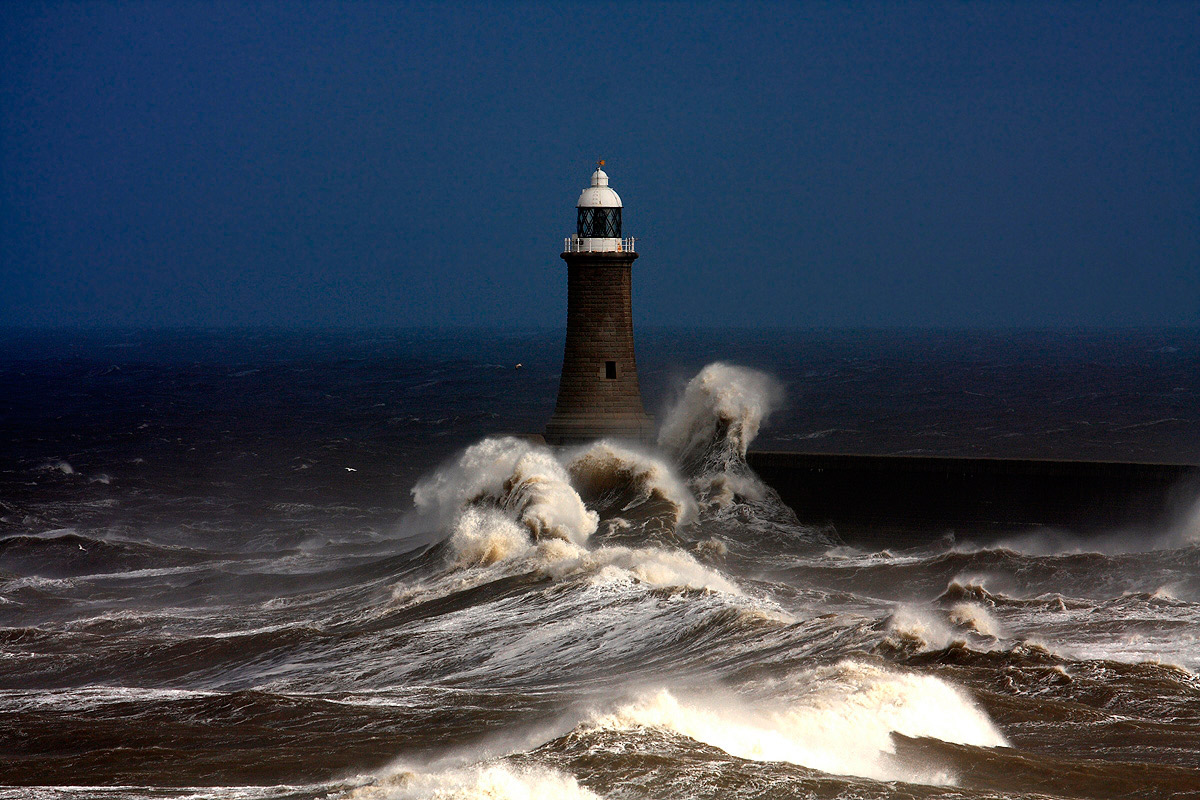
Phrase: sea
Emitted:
{"points": [[252, 563]]}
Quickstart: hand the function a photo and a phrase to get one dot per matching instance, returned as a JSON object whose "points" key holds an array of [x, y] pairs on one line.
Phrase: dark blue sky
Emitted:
{"points": [[798, 164]]}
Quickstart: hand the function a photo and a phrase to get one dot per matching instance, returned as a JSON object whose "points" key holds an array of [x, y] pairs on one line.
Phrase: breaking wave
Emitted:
{"points": [[510, 502], [523, 480], [977, 618], [485, 536], [840, 721], [621, 479], [505, 499], [654, 566]]}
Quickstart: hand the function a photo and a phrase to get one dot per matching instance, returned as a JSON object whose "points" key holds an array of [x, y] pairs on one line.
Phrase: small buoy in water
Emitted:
{"points": [[518, 366]]}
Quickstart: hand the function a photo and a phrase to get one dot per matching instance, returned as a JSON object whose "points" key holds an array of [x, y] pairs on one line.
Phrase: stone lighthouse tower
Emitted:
{"points": [[598, 395]]}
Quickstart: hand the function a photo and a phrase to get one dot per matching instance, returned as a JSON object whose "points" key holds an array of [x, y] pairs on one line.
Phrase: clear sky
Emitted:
{"points": [[794, 164]]}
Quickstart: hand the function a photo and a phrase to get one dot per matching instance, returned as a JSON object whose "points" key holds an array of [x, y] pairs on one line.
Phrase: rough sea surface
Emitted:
{"points": [[260, 564]]}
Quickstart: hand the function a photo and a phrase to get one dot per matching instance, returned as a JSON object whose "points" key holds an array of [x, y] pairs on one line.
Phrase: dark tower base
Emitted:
{"points": [[599, 394]]}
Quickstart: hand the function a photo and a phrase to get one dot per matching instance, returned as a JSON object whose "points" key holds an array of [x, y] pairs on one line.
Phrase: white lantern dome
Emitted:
{"points": [[599, 195]]}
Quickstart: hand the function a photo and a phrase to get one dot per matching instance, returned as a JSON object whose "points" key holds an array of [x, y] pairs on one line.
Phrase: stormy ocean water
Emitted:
{"points": [[259, 564]]}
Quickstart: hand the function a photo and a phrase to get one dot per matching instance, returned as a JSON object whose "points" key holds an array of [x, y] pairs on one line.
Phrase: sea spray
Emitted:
{"points": [[976, 617], [1187, 530], [539, 493], [484, 536], [479, 472], [708, 431], [707, 434], [919, 627], [718, 415]]}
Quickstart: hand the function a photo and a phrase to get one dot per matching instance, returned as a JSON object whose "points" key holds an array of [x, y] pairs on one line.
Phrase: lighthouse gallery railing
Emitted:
{"points": [[573, 244]]}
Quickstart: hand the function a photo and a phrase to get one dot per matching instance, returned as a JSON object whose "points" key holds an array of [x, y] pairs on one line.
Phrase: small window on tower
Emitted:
{"points": [[610, 370]]}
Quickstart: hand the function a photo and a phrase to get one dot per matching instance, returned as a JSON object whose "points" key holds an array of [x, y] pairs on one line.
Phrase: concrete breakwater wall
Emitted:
{"points": [[897, 500]]}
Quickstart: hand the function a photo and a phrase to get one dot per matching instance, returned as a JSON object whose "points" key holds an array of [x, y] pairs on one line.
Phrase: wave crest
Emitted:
{"points": [[625, 479], [842, 721], [524, 480]]}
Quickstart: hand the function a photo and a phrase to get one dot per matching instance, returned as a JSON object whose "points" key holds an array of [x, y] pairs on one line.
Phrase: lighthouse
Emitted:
{"points": [[598, 395]]}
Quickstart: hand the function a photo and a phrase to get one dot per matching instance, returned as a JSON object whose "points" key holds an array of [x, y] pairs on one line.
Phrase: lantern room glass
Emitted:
{"points": [[599, 223]]}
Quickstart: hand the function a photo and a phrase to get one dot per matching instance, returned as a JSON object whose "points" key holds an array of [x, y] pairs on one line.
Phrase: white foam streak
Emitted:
{"points": [[93, 697], [654, 566], [496, 781]]}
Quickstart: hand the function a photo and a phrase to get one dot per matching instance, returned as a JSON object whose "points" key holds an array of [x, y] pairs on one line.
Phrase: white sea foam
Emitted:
{"points": [[486, 544], [495, 781], [36, 582], [841, 722], [1083, 630], [484, 537], [141, 574]]}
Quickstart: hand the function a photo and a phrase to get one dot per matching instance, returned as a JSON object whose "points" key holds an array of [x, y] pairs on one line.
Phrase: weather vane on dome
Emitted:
{"points": [[599, 162]]}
